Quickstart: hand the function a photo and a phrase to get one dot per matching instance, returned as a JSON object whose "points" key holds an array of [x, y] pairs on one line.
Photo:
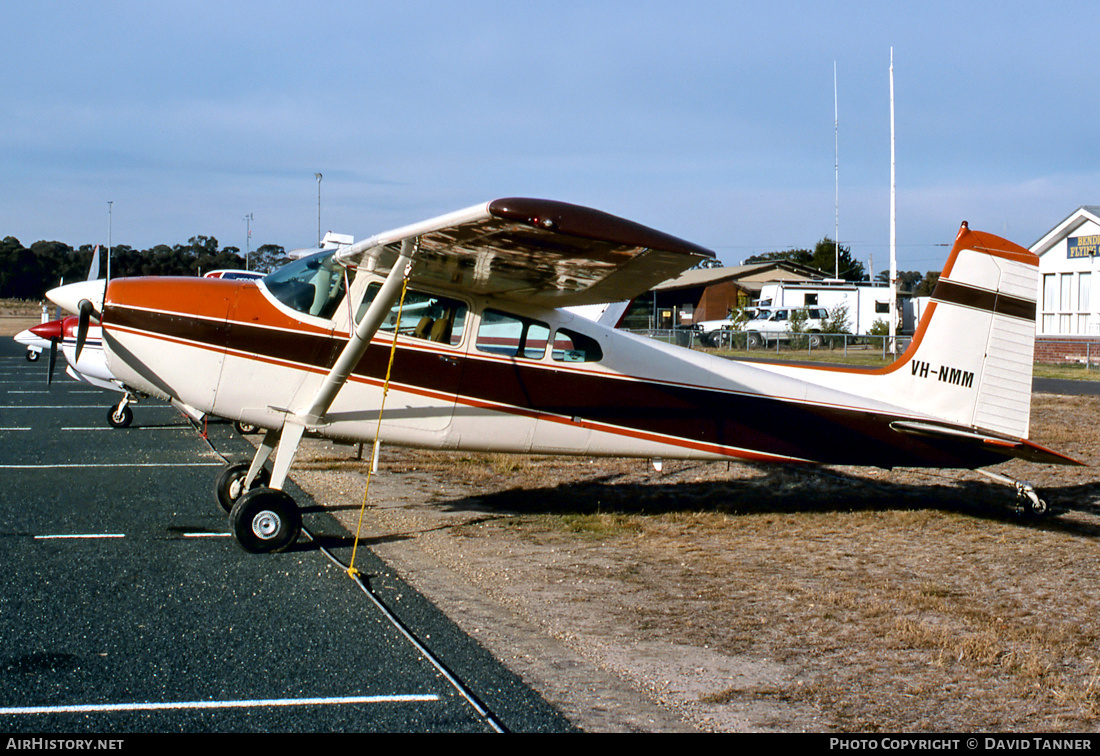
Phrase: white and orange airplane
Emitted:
{"points": [[451, 334]]}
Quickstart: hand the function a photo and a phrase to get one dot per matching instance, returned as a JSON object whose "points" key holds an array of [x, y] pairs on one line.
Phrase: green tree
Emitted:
{"points": [[823, 257], [267, 258], [927, 284], [826, 256], [837, 321]]}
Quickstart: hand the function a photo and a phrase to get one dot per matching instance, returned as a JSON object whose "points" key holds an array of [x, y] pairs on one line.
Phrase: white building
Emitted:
{"points": [[1069, 255]]}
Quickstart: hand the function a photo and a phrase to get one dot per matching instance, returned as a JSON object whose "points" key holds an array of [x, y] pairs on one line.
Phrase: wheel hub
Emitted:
{"points": [[266, 524]]}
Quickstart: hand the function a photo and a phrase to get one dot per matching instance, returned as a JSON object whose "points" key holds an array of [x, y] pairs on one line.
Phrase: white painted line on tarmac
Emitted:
{"points": [[52, 406], [15, 429], [82, 465], [207, 535], [198, 705], [132, 428], [78, 536]]}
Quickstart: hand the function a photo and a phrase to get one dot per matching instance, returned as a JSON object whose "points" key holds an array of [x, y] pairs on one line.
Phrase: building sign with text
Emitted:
{"points": [[1083, 246]]}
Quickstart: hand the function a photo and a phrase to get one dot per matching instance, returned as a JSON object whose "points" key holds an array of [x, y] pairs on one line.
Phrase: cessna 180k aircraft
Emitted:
{"points": [[451, 334]]}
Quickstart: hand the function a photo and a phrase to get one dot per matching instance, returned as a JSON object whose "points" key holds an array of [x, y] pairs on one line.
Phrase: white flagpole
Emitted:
{"points": [[893, 222], [836, 172]]}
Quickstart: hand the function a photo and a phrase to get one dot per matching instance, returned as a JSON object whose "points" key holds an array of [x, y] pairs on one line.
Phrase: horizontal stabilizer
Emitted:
{"points": [[1010, 448]]}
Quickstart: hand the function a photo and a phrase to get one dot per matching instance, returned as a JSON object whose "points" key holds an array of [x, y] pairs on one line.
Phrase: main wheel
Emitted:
{"points": [[245, 429], [265, 520], [120, 418], [230, 483]]}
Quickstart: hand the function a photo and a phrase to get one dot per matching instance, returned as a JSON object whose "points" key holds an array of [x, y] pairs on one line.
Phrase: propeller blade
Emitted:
{"points": [[52, 331], [53, 361], [86, 310]]}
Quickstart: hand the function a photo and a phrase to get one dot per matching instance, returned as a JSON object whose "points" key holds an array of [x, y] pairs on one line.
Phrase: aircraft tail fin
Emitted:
{"points": [[970, 362]]}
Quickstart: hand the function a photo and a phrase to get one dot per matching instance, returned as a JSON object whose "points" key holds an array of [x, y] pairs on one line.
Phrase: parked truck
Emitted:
{"points": [[865, 302]]}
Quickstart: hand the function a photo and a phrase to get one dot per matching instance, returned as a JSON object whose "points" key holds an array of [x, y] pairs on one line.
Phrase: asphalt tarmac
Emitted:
{"points": [[1064, 386], [126, 606]]}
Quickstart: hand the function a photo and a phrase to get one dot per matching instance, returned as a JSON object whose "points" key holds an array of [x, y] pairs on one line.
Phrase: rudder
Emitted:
{"points": [[974, 348]]}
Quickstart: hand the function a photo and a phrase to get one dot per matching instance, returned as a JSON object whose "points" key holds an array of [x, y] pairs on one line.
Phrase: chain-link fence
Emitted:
{"points": [[789, 345]]}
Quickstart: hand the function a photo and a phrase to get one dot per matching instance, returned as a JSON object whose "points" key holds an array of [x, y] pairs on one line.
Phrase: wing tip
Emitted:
{"points": [[588, 223]]}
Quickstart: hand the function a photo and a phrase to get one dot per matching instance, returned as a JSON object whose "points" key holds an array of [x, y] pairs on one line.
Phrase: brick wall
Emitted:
{"points": [[1063, 349]]}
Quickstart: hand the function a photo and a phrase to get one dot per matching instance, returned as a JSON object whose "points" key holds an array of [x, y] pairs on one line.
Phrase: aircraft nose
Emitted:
{"points": [[68, 297], [49, 331]]}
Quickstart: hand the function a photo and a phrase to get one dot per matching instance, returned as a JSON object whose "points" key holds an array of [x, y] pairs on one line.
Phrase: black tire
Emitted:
{"points": [[117, 418], [265, 521], [753, 340], [816, 340], [245, 429], [228, 486], [32, 356]]}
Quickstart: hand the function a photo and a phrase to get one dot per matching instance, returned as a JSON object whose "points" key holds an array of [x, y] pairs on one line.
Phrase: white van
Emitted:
{"points": [[774, 324]]}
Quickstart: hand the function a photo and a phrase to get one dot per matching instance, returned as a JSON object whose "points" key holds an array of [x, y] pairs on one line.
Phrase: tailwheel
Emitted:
{"points": [[230, 483], [1028, 501], [120, 416], [265, 520]]}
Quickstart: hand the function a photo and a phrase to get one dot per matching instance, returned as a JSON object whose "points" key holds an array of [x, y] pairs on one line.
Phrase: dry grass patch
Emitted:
{"points": [[835, 599]]}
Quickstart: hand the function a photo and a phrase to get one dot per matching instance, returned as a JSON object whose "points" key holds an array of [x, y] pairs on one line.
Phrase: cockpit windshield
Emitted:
{"points": [[314, 284]]}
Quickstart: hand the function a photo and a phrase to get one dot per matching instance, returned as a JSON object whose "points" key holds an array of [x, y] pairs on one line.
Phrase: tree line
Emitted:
{"points": [[29, 272]]}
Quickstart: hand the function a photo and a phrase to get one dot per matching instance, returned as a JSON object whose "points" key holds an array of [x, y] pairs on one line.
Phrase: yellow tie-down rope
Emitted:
{"points": [[352, 572]]}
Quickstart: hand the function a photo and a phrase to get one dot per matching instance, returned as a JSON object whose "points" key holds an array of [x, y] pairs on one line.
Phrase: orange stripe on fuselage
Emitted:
{"points": [[210, 298]]}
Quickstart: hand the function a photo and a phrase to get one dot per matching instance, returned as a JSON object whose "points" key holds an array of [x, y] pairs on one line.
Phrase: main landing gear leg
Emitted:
{"points": [[1027, 498], [264, 518]]}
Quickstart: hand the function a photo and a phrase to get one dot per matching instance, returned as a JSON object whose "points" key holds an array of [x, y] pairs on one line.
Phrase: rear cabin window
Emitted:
{"points": [[512, 336], [423, 316], [570, 346]]}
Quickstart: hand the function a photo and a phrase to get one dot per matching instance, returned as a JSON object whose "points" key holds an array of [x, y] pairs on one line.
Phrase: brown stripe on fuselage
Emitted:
{"points": [[983, 299]]}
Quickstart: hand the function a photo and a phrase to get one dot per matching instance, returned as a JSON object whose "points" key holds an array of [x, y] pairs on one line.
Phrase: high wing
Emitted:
{"points": [[534, 250]]}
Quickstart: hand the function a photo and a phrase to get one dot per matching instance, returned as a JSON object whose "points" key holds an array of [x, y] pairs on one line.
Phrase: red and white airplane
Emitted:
{"points": [[468, 310], [87, 363]]}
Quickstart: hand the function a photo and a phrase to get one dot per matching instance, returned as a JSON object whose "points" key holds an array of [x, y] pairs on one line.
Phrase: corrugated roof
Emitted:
{"points": [[740, 274]]}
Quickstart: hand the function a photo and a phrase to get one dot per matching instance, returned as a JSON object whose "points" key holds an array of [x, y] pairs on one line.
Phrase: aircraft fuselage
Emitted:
{"points": [[233, 349]]}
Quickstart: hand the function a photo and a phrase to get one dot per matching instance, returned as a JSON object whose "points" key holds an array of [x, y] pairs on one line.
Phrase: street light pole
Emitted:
{"points": [[318, 177], [109, 221], [247, 239]]}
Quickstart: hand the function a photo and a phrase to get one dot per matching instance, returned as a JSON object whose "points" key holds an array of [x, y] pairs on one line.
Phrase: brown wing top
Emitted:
{"points": [[536, 250]]}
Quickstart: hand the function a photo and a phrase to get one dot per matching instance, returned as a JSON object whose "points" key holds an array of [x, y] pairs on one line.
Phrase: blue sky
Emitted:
{"points": [[713, 121]]}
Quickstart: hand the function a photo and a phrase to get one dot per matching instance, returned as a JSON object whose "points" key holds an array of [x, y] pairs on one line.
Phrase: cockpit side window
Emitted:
{"points": [[423, 316], [313, 285]]}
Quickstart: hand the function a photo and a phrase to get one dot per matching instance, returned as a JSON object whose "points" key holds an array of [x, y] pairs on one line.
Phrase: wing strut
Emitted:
{"points": [[284, 442]]}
